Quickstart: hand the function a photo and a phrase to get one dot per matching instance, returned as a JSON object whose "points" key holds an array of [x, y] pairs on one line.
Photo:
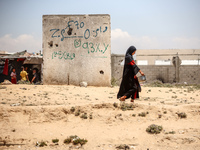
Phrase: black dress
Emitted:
{"points": [[129, 84]]}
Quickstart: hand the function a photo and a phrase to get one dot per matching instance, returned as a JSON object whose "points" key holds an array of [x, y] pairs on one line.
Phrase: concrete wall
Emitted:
{"points": [[165, 73], [117, 68], [190, 74], [77, 48], [159, 72]]}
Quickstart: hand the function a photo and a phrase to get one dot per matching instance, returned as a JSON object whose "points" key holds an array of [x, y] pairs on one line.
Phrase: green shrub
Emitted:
{"points": [[165, 112], [72, 109], [154, 129], [133, 115], [55, 140], [126, 106], [41, 144], [67, 141], [91, 117], [142, 114], [84, 116], [182, 115], [174, 96], [123, 146], [77, 113], [75, 140], [115, 105], [79, 141], [172, 132]]}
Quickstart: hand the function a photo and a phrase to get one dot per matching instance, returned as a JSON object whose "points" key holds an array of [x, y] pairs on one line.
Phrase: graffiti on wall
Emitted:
{"points": [[67, 32], [63, 55], [90, 47], [87, 33]]}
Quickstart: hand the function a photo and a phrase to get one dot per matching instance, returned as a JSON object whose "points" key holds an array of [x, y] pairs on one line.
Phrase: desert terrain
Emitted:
{"points": [[31, 114]]}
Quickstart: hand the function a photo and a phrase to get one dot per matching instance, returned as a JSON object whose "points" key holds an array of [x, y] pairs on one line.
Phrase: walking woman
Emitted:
{"points": [[129, 84]]}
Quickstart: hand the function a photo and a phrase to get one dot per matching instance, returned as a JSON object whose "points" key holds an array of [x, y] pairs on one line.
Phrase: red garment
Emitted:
{"points": [[13, 78], [135, 94], [20, 59], [14, 81], [132, 63], [5, 69]]}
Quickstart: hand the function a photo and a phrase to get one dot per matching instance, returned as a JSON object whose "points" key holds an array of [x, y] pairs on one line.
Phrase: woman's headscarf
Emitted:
{"points": [[128, 56]]}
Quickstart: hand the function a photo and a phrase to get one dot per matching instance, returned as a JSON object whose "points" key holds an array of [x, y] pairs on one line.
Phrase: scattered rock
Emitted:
{"points": [[147, 98], [174, 96], [171, 132], [118, 115], [13, 130], [159, 115], [23, 88], [83, 84], [17, 104], [91, 117]]}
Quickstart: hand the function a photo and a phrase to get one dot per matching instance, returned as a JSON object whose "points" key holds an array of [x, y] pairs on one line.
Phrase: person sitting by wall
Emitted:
{"points": [[35, 78], [24, 75], [13, 76]]}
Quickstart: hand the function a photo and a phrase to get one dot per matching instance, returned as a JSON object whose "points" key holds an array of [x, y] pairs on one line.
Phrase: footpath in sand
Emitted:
{"points": [[31, 114]]}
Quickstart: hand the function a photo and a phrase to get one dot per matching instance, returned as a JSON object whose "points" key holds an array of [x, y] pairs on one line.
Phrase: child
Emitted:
{"points": [[24, 75], [13, 76], [35, 77]]}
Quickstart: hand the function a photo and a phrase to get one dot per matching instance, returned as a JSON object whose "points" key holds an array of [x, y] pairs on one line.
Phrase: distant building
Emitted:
{"points": [[164, 57]]}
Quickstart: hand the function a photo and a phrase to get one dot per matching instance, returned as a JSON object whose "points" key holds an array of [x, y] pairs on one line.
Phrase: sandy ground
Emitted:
{"points": [[30, 113]]}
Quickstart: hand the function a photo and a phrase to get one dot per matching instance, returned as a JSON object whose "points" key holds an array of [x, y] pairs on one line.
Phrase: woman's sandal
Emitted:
{"points": [[122, 98], [132, 100]]}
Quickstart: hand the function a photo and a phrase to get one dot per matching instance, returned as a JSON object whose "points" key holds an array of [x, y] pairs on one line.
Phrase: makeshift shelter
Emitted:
{"points": [[17, 60]]}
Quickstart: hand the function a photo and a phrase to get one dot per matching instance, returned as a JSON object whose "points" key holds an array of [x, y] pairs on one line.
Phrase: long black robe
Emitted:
{"points": [[129, 84]]}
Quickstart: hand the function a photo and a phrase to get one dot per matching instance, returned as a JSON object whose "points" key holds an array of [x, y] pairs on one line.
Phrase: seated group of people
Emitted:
{"points": [[24, 76]]}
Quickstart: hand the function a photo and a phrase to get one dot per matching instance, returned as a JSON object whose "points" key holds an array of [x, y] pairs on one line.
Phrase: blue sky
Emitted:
{"points": [[147, 24]]}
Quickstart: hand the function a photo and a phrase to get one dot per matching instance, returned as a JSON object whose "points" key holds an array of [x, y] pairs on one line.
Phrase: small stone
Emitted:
{"points": [[83, 84], [13, 130], [17, 104]]}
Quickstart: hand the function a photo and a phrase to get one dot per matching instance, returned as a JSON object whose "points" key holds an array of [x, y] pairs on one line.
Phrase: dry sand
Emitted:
{"points": [[30, 113]]}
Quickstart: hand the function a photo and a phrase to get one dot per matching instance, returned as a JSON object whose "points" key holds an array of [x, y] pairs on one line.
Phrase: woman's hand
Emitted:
{"points": [[141, 73]]}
